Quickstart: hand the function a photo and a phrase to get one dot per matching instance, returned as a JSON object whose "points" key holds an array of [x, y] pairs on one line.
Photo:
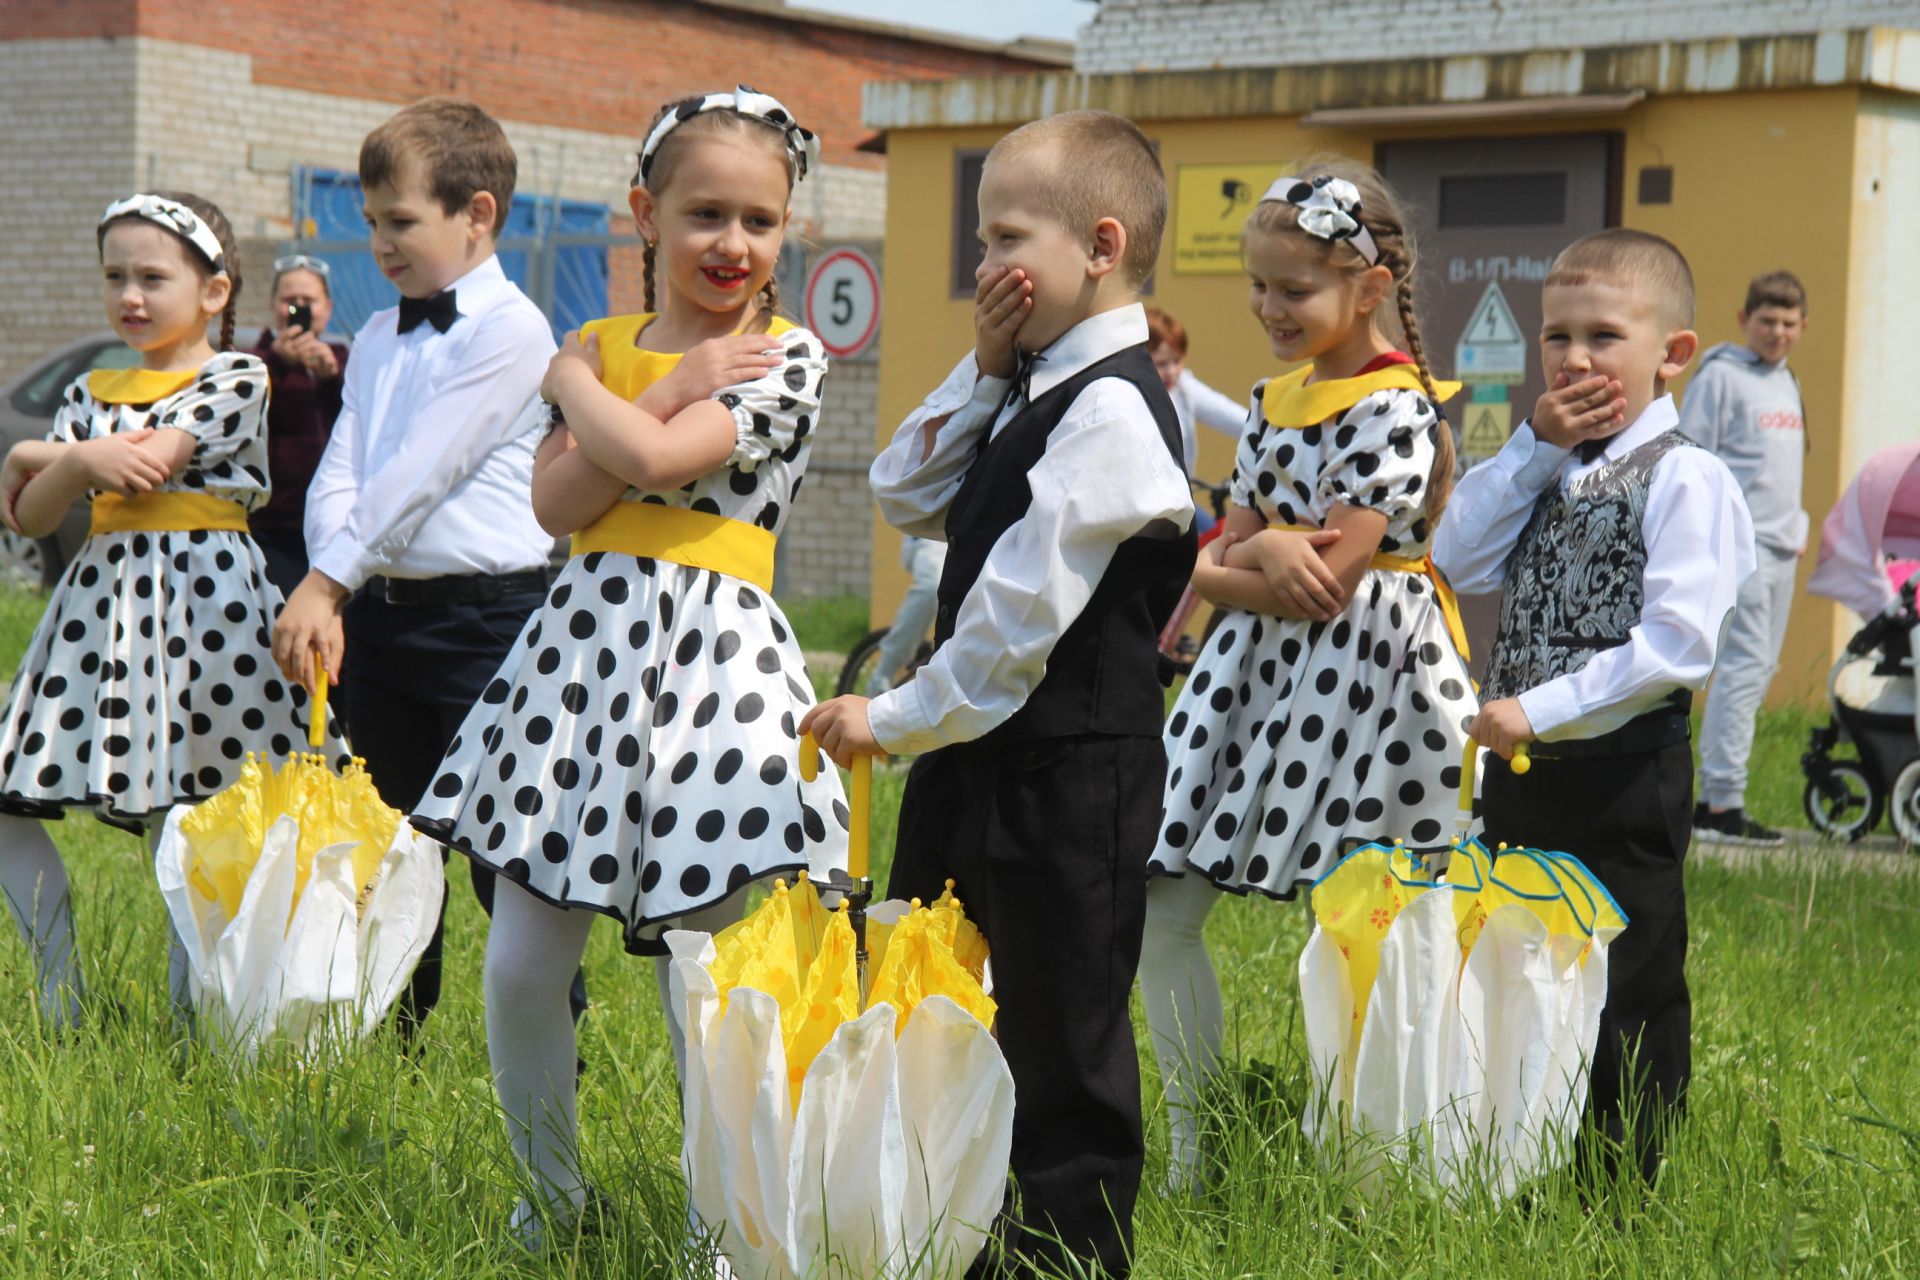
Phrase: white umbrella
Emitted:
{"points": [[826, 1140]]}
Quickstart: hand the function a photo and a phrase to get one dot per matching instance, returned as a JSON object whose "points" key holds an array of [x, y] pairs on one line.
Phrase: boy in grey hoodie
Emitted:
{"points": [[1745, 405]]}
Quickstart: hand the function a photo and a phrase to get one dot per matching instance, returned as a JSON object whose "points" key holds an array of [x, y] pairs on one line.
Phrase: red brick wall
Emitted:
{"points": [[605, 65]]}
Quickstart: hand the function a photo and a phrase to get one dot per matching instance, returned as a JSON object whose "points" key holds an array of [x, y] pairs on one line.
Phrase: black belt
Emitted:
{"points": [[1649, 732], [457, 588]]}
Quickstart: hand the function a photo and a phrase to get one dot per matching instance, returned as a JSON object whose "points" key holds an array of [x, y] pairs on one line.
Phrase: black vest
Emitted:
{"points": [[1576, 580], [1103, 675]]}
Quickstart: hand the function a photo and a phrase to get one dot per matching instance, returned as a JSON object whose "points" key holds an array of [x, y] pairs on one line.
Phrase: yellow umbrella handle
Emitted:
{"points": [[860, 802], [1522, 759], [317, 722]]}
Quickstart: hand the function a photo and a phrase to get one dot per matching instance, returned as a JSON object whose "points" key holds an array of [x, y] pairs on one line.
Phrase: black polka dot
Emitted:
{"points": [[605, 869], [663, 822], [574, 697], [527, 800], [447, 786]]}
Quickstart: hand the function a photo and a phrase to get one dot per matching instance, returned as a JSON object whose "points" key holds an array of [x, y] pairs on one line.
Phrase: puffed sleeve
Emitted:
{"points": [[225, 412], [776, 413], [1247, 457], [1380, 454], [73, 416]]}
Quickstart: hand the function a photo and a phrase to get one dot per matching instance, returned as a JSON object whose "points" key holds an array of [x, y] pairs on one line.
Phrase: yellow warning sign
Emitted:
{"points": [[1210, 205], [1485, 429]]}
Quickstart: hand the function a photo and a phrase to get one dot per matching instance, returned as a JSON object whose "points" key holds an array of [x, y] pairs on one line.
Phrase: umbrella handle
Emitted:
{"points": [[317, 720], [1521, 763], [1522, 759], [860, 803]]}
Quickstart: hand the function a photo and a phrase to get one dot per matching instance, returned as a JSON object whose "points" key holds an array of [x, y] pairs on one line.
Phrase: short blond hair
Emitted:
{"points": [[1638, 259], [1102, 166]]}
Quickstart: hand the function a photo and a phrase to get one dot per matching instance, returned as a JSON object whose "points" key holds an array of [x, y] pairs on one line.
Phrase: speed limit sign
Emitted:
{"points": [[843, 302]]}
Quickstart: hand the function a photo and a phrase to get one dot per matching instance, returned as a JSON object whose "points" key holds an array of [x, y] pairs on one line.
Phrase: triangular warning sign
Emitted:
{"points": [[1492, 320], [1486, 429]]}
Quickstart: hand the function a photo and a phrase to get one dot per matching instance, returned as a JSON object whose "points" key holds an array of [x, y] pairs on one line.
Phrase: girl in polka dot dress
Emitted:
{"points": [[637, 755], [150, 675], [1330, 705]]}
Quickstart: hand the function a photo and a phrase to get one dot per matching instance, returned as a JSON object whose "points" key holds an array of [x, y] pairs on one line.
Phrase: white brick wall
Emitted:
{"points": [[66, 150], [164, 114], [1132, 35]]}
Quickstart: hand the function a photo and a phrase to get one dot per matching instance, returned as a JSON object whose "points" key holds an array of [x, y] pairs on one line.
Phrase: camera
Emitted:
{"points": [[300, 313]]}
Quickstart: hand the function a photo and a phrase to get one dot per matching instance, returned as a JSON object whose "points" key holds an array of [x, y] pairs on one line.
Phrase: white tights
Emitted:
{"points": [[1183, 1011], [34, 882], [533, 949]]}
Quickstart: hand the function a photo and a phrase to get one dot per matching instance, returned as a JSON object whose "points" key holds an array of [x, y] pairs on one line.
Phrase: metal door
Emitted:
{"points": [[1490, 214]]}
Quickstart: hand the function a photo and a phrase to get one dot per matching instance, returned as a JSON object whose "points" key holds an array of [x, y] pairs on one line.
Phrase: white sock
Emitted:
{"points": [[533, 950], [1182, 996], [34, 882]]}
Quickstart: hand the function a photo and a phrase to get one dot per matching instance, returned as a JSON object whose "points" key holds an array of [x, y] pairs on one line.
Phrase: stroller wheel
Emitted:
{"points": [[1906, 804], [1842, 802]]}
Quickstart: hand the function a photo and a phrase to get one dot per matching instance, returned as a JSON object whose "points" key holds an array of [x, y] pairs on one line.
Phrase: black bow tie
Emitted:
{"points": [[437, 311], [1591, 449], [1023, 373]]}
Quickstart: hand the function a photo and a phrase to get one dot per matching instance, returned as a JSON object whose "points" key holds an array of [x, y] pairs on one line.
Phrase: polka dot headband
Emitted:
{"points": [[1329, 209], [176, 218], [802, 148]]}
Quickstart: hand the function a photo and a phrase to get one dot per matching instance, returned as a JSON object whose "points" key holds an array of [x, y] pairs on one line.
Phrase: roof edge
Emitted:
{"points": [[1885, 57], [1035, 49]]}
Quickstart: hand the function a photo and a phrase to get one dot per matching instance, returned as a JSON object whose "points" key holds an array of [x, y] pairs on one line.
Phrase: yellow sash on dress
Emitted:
{"points": [[1291, 401], [165, 513], [696, 539], [1424, 566]]}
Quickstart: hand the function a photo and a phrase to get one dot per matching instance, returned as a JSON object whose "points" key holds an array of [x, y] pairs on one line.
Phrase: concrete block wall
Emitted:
{"points": [[1133, 35]]}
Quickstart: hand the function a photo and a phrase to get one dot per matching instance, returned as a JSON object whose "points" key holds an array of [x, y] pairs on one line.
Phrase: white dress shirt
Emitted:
{"points": [[1198, 403], [1700, 549], [1105, 476], [429, 470]]}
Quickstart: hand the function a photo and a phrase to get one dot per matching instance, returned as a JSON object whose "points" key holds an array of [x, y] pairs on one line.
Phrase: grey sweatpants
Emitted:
{"points": [[1749, 655]]}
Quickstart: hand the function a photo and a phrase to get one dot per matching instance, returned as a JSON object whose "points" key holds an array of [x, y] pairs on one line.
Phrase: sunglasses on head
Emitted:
{"points": [[301, 262]]}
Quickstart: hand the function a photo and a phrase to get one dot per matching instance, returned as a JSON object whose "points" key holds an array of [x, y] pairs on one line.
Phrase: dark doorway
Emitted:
{"points": [[1490, 214]]}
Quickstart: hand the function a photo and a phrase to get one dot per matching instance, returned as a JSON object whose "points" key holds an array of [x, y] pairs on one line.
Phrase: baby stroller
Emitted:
{"points": [[1869, 554]]}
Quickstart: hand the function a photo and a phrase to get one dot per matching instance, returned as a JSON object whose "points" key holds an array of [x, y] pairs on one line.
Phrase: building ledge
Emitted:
{"points": [[1034, 49], [1883, 57]]}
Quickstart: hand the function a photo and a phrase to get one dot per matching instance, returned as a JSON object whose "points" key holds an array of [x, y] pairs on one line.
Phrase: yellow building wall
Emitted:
{"points": [[1761, 180]]}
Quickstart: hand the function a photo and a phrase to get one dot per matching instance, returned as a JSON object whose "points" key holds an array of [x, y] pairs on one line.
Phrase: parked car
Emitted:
{"points": [[26, 413]]}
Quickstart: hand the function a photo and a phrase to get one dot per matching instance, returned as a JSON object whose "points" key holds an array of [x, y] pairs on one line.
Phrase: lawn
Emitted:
{"points": [[121, 1157]]}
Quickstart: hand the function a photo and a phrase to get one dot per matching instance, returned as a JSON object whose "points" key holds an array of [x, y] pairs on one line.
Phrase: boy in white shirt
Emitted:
{"points": [[426, 557], [1620, 547], [1050, 463]]}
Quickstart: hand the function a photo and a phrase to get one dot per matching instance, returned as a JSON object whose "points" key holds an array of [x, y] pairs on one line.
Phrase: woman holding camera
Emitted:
{"points": [[307, 374]]}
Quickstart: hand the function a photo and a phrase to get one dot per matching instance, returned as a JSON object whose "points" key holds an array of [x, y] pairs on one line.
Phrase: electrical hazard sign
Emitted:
{"points": [[1491, 347], [1485, 429]]}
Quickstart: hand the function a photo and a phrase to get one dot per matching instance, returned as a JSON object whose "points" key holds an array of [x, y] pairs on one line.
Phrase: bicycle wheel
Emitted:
{"points": [[858, 667]]}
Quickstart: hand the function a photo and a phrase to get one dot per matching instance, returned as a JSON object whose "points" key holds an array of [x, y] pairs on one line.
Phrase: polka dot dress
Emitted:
{"points": [[1292, 739], [638, 753], [150, 676]]}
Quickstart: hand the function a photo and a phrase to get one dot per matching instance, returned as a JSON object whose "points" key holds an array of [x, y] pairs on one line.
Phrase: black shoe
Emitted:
{"points": [[1733, 827]]}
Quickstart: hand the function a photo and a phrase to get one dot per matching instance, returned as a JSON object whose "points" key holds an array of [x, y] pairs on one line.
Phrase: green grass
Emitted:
{"points": [[827, 623], [120, 1158]]}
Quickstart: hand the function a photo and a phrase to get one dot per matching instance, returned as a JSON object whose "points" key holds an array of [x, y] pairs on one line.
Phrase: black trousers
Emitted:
{"points": [[286, 557], [1628, 818], [412, 672], [1047, 845]]}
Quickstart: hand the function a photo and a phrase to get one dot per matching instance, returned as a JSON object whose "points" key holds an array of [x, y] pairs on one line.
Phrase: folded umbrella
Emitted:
{"points": [[1450, 1020], [831, 1134], [301, 900]]}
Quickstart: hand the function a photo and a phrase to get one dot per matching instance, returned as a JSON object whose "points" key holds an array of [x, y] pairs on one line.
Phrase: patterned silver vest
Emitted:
{"points": [[1577, 577]]}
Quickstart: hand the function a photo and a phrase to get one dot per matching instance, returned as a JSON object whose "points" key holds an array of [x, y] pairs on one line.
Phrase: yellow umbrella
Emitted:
{"points": [[303, 901], [1450, 1019], [833, 1117]]}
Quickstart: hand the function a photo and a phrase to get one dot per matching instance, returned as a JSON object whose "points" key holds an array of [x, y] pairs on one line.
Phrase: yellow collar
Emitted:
{"points": [[626, 368], [1291, 401], [137, 386]]}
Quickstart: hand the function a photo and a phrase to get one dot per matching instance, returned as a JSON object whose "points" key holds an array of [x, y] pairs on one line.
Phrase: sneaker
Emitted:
{"points": [[1734, 827]]}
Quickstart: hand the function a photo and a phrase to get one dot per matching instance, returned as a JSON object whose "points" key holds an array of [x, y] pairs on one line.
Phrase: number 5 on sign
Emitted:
{"points": [[842, 302]]}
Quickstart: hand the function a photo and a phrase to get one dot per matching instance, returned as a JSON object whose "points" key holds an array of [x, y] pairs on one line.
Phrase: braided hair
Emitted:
{"points": [[208, 212], [1385, 219], [661, 173]]}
